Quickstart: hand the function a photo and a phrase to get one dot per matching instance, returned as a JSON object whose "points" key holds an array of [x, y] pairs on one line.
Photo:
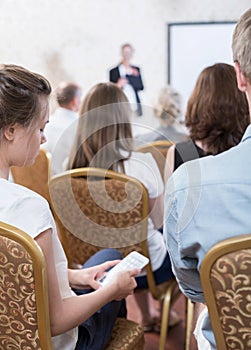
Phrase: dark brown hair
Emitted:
{"points": [[217, 112], [21, 92], [104, 135]]}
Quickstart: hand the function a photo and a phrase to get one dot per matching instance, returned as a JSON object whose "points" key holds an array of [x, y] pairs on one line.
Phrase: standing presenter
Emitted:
{"points": [[128, 78]]}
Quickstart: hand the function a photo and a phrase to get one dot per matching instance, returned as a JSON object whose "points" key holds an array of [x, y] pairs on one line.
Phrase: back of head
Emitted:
{"points": [[66, 92], [104, 128], [22, 95], [241, 44], [167, 108], [217, 112]]}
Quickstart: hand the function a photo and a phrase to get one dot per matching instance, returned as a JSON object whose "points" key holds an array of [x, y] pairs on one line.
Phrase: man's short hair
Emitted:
{"points": [[241, 44], [66, 92]]}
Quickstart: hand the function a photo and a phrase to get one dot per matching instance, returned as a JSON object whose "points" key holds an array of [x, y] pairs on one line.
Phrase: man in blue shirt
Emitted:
{"points": [[209, 199]]}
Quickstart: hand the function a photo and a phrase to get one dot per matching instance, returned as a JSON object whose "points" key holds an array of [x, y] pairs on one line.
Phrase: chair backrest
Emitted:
{"points": [[35, 177], [97, 208], [24, 309], [159, 150], [226, 282]]}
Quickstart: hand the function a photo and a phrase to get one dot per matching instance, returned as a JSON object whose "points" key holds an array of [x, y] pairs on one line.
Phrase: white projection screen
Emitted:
{"points": [[194, 46]]}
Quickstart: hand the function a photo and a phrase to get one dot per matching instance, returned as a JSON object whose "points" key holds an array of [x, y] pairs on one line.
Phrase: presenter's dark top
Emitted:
{"points": [[134, 80]]}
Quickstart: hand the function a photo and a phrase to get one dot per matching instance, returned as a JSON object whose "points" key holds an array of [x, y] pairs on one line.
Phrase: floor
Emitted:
{"points": [[176, 335]]}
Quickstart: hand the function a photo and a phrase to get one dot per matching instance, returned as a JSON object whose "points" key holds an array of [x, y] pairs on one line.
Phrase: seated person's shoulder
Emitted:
{"points": [[31, 198], [186, 175]]}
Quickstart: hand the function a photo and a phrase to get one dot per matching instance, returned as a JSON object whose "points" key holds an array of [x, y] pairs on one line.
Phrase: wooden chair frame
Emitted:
{"points": [[159, 150], [161, 145], [40, 286], [219, 250]]}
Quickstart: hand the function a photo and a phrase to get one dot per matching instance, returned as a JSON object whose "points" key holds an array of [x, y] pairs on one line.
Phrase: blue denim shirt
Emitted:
{"points": [[206, 201]]}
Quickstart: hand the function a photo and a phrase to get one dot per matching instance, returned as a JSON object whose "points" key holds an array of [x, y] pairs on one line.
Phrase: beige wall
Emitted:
{"points": [[80, 39]]}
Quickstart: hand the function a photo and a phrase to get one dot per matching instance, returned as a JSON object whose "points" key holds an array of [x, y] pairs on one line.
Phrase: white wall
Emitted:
{"points": [[79, 39]]}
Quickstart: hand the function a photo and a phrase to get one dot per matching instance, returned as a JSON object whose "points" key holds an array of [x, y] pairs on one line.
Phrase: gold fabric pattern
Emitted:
{"points": [[126, 335], [103, 213], [18, 318], [231, 281]]}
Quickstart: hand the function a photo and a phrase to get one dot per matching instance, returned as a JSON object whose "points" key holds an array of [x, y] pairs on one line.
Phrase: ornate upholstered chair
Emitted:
{"points": [[97, 208], [159, 151], [226, 282], [24, 309], [35, 177]]}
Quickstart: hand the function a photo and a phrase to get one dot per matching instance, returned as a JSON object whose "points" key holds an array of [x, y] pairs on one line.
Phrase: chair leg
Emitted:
{"points": [[165, 317], [189, 322]]}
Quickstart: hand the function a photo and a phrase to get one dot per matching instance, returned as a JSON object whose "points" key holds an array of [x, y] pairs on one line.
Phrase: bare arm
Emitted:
{"points": [[156, 210], [68, 313], [169, 166]]}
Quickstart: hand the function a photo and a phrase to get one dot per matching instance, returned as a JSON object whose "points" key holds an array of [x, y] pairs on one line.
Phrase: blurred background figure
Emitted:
{"points": [[217, 116], [62, 125], [128, 77], [167, 112]]}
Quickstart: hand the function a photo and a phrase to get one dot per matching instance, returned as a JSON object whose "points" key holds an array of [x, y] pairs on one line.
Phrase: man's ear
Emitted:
{"points": [[241, 79], [9, 132], [75, 104]]}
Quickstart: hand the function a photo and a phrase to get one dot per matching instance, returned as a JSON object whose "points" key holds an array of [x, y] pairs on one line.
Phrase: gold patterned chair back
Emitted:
{"points": [[99, 209], [35, 177], [159, 150], [24, 309], [226, 282]]}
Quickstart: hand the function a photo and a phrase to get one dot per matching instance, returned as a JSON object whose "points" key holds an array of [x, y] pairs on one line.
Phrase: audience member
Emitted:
{"points": [[61, 129], [167, 111], [216, 117], [23, 115], [128, 77], [208, 200], [104, 140]]}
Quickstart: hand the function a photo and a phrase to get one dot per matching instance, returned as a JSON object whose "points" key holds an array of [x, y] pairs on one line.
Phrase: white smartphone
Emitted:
{"points": [[131, 261]]}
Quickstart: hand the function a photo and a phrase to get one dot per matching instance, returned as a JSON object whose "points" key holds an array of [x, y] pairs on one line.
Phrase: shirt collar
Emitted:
{"points": [[247, 134], [67, 112]]}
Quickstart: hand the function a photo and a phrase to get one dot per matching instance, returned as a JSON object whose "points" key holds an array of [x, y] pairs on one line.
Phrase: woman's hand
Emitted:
{"points": [[88, 277], [122, 283]]}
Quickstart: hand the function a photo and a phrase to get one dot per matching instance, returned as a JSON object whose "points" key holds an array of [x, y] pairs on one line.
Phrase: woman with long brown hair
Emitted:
{"points": [[104, 140], [216, 117]]}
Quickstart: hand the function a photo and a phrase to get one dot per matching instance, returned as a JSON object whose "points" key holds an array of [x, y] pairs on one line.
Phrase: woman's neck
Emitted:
{"points": [[200, 145], [4, 171], [4, 175]]}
